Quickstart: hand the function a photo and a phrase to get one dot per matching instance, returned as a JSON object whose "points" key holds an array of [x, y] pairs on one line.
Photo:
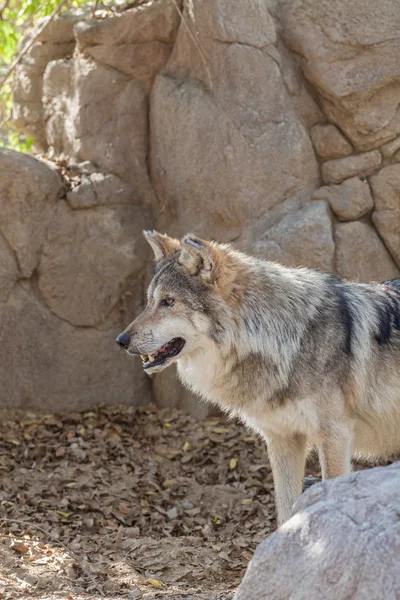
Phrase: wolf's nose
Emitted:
{"points": [[123, 340]]}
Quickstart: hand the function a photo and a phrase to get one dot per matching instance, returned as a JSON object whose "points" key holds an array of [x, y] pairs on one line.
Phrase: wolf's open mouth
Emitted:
{"points": [[172, 348]]}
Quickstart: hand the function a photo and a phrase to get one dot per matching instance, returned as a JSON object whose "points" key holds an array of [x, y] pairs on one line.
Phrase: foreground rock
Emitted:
{"points": [[342, 542]]}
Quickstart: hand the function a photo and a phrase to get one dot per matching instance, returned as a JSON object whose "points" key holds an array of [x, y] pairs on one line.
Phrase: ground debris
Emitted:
{"points": [[153, 502]]}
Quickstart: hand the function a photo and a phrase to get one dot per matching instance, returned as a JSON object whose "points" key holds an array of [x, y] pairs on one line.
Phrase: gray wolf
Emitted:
{"points": [[304, 358]]}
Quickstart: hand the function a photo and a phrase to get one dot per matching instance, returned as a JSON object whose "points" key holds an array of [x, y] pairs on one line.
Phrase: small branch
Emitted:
{"points": [[30, 44], [196, 43], [3, 8], [71, 553], [94, 9]]}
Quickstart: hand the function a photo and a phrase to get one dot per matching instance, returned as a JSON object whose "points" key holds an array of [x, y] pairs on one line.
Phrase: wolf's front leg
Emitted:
{"points": [[334, 450], [287, 456]]}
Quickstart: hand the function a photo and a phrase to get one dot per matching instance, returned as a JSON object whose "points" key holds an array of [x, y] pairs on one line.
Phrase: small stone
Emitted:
{"points": [[350, 200], [391, 148], [329, 142], [336, 171], [172, 513]]}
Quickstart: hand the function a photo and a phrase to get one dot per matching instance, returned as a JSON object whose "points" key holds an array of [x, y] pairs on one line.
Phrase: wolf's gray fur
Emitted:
{"points": [[304, 358]]}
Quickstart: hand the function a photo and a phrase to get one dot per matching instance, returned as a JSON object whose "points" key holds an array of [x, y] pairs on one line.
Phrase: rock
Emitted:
{"points": [[29, 190], [101, 118], [89, 258], [61, 29], [361, 255], [99, 189], [154, 21], [47, 363], [140, 61], [300, 236], [348, 52], [349, 528], [258, 151], [389, 149], [386, 191], [9, 272], [329, 142], [350, 200], [335, 171], [248, 23]]}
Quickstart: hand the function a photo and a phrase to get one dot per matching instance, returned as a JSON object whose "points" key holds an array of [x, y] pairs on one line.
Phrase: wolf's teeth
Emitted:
{"points": [[143, 357], [151, 358]]}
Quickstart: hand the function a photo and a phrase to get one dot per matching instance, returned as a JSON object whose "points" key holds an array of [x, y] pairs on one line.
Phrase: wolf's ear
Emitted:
{"points": [[202, 258], [161, 244]]}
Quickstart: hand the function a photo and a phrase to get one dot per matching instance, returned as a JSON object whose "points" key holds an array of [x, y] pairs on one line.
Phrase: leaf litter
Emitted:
{"points": [[129, 502]]}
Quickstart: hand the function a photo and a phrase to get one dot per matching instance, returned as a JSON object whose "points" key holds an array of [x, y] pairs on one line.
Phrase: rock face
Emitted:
{"points": [[272, 123], [69, 282], [348, 528]]}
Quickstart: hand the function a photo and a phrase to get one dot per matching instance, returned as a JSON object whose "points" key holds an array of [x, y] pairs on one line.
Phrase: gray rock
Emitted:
{"points": [[342, 542], [99, 189]]}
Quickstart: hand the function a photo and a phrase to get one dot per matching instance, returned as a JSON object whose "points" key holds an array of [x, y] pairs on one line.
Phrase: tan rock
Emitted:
{"points": [[329, 142], [349, 52], [61, 29], [335, 171], [350, 200], [386, 191], [49, 364], [99, 189], [89, 258], [153, 21], [140, 61], [29, 190], [9, 272], [390, 148], [300, 236], [361, 255]]}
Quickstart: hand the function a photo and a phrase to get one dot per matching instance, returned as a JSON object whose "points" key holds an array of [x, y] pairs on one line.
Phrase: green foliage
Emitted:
{"points": [[16, 19]]}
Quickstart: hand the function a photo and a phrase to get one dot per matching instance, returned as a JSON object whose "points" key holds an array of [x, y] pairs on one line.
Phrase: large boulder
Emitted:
{"points": [[47, 363], [342, 542], [29, 191], [349, 53], [235, 146]]}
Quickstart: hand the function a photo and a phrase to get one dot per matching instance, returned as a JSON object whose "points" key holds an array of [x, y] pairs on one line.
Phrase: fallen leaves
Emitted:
{"points": [[140, 495]]}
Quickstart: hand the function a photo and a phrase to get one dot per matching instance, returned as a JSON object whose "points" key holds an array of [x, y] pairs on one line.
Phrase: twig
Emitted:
{"points": [[196, 43], [32, 41], [3, 8], [94, 9], [71, 553]]}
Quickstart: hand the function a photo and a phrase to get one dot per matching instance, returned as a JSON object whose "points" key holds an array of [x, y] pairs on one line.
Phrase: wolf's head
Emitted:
{"points": [[186, 300]]}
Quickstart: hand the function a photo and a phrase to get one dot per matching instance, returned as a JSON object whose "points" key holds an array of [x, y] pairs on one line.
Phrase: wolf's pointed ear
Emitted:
{"points": [[200, 257], [161, 244]]}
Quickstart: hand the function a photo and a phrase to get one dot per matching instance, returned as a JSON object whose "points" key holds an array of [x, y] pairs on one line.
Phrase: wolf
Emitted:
{"points": [[304, 358]]}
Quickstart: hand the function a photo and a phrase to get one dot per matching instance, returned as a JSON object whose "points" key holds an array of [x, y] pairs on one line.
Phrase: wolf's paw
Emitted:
{"points": [[309, 481]]}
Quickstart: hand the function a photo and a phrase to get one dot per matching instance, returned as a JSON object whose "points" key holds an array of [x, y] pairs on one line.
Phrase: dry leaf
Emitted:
{"points": [[233, 463], [156, 583]]}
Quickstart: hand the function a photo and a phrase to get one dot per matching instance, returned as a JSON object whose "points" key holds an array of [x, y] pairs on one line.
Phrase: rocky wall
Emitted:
{"points": [[273, 124]]}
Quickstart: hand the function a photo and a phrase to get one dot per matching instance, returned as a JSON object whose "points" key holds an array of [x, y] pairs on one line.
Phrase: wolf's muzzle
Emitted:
{"points": [[123, 340]]}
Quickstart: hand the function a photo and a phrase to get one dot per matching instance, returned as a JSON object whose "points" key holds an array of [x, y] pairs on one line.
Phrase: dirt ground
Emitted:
{"points": [[129, 503]]}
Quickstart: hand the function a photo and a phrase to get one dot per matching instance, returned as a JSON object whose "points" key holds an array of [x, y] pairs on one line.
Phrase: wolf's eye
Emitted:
{"points": [[167, 301]]}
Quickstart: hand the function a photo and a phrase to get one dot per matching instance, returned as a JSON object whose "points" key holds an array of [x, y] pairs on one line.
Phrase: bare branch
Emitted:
{"points": [[196, 43]]}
